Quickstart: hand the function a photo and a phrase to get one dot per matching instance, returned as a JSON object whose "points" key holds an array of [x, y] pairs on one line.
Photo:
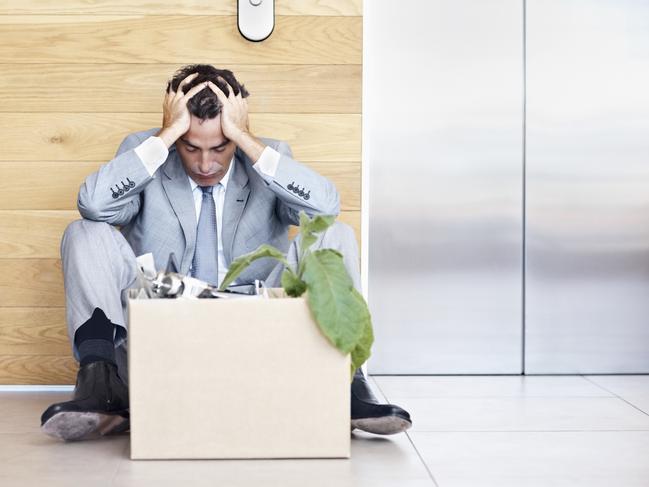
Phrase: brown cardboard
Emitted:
{"points": [[234, 378]]}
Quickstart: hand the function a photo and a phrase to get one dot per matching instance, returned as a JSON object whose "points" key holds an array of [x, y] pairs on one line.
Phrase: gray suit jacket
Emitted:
{"points": [[157, 214]]}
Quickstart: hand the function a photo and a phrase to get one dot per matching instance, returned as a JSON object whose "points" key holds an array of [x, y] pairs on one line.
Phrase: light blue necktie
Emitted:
{"points": [[206, 263]]}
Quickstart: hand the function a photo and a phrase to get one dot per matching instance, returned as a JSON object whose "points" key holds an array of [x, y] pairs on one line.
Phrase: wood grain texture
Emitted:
{"points": [[95, 137], [74, 39], [36, 234], [38, 282], [34, 185], [31, 282], [176, 7], [38, 369], [98, 88], [76, 76], [33, 234], [34, 346], [33, 331]]}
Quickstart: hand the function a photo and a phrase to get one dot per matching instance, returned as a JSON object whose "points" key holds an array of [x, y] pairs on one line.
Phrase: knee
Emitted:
{"points": [[341, 232], [79, 231], [83, 227], [343, 229], [340, 236]]}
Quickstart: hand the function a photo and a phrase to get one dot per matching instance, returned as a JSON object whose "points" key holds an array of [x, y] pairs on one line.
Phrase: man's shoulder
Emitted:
{"points": [[274, 143], [142, 135]]}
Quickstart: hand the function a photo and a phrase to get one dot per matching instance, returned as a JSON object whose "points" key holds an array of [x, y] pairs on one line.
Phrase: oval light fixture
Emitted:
{"points": [[256, 19]]}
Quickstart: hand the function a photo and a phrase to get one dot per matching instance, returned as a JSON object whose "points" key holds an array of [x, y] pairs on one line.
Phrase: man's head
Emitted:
{"points": [[205, 152]]}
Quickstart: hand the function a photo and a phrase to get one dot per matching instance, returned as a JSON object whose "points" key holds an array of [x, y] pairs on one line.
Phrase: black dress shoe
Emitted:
{"points": [[99, 405], [371, 416]]}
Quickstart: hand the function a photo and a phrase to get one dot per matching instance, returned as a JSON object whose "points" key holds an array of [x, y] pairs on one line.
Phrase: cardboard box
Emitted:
{"points": [[235, 378]]}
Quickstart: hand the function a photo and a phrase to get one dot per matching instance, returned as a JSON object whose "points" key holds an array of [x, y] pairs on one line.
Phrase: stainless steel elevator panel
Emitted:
{"points": [[443, 130], [587, 228]]}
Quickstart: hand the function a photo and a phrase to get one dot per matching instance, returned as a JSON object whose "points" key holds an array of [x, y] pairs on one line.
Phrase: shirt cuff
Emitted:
{"points": [[268, 162], [152, 152]]}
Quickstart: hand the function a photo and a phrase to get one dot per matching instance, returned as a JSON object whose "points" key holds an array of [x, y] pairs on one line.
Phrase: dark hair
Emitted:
{"points": [[205, 103]]}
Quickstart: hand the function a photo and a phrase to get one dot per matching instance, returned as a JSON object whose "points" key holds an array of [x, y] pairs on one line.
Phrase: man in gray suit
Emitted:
{"points": [[206, 189]]}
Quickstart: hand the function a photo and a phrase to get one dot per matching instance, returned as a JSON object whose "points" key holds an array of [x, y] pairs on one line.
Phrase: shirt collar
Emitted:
{"points": [[224, 179]]}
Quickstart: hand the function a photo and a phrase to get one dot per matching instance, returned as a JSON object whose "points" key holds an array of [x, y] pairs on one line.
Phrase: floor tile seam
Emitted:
{"points": [[417, 431], [487, 376], [400, 397], [634, 430], [421, 459], [125, 458], [616, 395], [380, 389]]}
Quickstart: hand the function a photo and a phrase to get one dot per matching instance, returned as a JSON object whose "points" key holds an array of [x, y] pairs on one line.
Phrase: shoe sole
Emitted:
{"points": [[389, 425], [71, 426]]}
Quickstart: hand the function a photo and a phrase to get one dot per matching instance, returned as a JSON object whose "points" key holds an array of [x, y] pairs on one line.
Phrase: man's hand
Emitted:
{"points": [[234, 111], [234, 121], [175, 114]]}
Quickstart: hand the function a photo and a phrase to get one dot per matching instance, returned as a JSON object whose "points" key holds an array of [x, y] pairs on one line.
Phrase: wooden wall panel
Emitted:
{"points": [[176, 39], [37, 281], [137, 88], [96, 136], [31, 282], [54, 185], [33, 331], [77, 76], [41, 369], [176, 7], [36, 234]]}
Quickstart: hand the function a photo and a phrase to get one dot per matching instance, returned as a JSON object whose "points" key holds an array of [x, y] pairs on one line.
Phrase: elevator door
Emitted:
{"points": [[443, 132], [587, 198]]}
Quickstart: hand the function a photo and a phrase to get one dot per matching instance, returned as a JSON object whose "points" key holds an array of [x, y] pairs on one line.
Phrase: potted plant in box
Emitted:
{"points": [[339, 310]]}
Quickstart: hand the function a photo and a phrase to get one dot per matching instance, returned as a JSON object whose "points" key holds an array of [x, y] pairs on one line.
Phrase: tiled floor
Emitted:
{"points": [[473, 431]]}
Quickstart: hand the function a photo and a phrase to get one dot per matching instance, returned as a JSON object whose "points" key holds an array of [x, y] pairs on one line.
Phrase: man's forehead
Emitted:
{"points": [[204, 142], [205, 133]]}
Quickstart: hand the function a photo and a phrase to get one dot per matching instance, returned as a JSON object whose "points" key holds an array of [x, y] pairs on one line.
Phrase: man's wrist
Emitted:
{"points": [[169, 136], [249, 144], [240, 137], [153, 153]]}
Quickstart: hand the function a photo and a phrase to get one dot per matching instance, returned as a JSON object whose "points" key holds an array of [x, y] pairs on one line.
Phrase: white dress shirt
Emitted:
{"points": [[153, 152]]}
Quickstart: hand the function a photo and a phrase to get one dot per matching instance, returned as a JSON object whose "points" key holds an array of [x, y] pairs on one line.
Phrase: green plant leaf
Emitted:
{"points": [[336, 308], [311, 227], [240, 263], [363, 347], [293, 285]]}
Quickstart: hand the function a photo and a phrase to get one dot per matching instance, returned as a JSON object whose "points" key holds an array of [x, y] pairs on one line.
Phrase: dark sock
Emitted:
{"points": [[94, 339]]}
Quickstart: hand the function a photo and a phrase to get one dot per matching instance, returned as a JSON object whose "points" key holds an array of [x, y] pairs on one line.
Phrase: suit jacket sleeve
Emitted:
{"points": [[112, 194], [299, 188]]}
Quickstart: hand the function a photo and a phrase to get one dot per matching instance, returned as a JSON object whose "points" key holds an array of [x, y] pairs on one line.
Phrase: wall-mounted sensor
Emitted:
{"points": [[256, 18]]}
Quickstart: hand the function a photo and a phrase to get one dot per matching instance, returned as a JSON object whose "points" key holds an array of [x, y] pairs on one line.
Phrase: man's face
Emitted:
{"points": [[206, 153]]}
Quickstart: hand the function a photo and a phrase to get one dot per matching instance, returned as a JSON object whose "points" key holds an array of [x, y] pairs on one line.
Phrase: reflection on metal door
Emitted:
{"points": [[587, 152], [443, 130]]}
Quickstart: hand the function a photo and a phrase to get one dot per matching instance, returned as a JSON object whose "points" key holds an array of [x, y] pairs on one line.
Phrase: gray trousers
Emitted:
{"points": [[99, 268]]}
